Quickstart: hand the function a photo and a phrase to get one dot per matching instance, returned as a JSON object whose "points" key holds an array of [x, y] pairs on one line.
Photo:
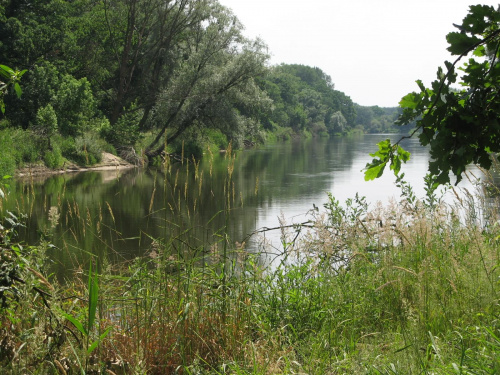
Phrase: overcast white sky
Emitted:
{"points": [[374, 50]]}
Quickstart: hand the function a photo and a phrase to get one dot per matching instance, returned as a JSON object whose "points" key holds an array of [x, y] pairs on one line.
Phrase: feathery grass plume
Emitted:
{"points": [[41, 278], [176, 180], [89, 218], [196, 167], [151, 201], [110, 212], [200, 184], [54, 216]]}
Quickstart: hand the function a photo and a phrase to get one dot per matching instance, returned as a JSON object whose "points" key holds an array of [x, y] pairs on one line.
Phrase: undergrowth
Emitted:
{"points": [[407, 288]]}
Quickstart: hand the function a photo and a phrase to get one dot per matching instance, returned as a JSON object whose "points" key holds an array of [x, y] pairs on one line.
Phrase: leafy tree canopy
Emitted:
{"points": [[457, 116], [305, 98]]}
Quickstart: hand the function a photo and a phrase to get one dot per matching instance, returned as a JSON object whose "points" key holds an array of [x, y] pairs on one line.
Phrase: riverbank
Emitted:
{"points": [[108, 162]]}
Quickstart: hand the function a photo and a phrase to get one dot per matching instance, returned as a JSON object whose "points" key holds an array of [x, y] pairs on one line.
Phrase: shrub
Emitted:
{"points": [[46, 122], [53, 158], [84, 150], [217, 138], [126, 130], [17, 147], [7, 163]]}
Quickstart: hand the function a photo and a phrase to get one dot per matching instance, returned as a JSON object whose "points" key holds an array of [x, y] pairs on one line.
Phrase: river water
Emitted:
{"points": [[120, 214]]}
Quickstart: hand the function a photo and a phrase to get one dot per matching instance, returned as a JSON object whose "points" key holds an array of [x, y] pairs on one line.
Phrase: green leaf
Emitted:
{"points": [[395, 164], [384, 149], [76, 323], [460, 42], [96, 343], [18, 89], [6, 71], [374, 170], [410, 101], [480, 51], [403, 154], [420, 85]]}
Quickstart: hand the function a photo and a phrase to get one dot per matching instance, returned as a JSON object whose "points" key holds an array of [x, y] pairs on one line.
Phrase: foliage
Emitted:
{"points": [[71, 99], [211, 83], [217, 138], [460, 125], [74, 105], [53, 158], [9, 77], [18, 147], [375, 119], [86, 327], [125, 132], [338, 123], [156, 68], [46, 122], [393, 289], [84, 150], [7, 158], [145, 65], [305, 98]]}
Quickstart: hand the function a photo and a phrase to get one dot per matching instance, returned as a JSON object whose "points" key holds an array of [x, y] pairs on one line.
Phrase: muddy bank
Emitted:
{"points": [[109, 162]]}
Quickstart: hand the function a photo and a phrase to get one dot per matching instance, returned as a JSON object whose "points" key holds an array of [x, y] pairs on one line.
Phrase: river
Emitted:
{"points": [[119, 214]]}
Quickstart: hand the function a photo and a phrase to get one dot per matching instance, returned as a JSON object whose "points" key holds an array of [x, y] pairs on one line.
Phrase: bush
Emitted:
{"points": [[46, 123], [7, 164], [126, 130], [28, 147], [217, 138], [84, 150], [17, 147], [54, 159]]}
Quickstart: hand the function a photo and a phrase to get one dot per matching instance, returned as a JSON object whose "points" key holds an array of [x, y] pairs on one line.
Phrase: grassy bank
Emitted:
{"points": [[409, 288]]}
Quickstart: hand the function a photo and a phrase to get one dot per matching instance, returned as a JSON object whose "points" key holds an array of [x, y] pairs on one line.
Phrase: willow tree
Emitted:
{"points": [[213, 78]]}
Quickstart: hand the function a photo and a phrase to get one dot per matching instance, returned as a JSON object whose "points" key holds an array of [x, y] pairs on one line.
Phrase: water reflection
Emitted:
{"points": [[119, 213]]}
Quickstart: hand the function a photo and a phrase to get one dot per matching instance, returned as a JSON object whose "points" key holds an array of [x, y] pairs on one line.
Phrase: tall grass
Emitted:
{"points": [[406, 288]]}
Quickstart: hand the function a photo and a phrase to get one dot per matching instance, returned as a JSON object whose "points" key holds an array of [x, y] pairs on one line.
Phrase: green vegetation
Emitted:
{"points": [[380, 120], [407, 288], [142, 75], [459, 124], [304, 99], [128, 71]]}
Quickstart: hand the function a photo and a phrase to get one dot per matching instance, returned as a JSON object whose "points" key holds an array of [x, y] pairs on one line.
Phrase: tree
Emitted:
{"points": [[218, 65], [337, 122], [46, 123], [461, 125], [304, 98]]}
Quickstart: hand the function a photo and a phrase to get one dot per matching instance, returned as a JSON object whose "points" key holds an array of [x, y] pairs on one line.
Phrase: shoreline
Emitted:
{"points": [[109, 162]]}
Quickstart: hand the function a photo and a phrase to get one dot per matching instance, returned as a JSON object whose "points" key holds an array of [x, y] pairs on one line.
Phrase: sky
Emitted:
{"points": [[374, 50]]}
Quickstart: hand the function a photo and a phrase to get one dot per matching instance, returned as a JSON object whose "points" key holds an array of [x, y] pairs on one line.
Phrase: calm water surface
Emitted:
{"points": [[119, 213]]}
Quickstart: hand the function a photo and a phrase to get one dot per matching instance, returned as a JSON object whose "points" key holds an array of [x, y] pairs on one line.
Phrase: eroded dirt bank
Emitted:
{"points": [[108, 162]]}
